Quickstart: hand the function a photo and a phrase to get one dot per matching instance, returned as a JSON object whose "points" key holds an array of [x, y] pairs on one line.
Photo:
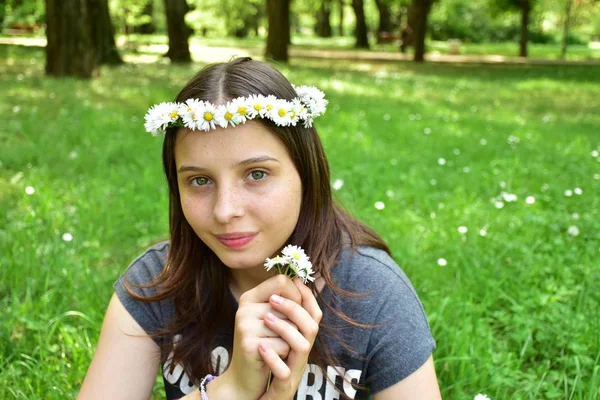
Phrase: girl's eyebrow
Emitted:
{"points": [[248, 161]]}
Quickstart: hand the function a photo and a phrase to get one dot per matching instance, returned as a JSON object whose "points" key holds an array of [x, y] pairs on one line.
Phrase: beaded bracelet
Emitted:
{"points": [[206, 379]]}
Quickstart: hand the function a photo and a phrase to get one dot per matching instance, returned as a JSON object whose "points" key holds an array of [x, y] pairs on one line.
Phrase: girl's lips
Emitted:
{"points": [[236, 242]]}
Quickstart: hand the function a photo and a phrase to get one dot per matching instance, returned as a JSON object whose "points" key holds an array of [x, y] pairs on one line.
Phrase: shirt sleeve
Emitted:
{"points": [[404, 342], [150, 316]]}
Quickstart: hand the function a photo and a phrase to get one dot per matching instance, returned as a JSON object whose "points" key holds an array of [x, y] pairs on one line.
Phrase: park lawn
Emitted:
{"points": [[308, 42], [513, 311]]}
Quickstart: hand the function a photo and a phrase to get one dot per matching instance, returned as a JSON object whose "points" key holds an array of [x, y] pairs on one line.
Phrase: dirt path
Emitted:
{"points": [[207, 53]]}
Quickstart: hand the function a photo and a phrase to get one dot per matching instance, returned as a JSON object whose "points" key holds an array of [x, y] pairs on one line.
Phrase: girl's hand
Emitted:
{"points": [[248, 372], [307, 316]]}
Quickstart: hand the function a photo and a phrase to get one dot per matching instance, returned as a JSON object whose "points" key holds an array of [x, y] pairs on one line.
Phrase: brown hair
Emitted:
{"points": [[194, 277]]}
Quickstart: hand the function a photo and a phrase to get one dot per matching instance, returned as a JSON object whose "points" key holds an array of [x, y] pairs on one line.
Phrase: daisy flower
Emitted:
{"points": [[281, 113], [242, 110], [224, 115], [268, 105], [190, 112], [159, 116], [257, 104], [271, 262], [206, 117]]}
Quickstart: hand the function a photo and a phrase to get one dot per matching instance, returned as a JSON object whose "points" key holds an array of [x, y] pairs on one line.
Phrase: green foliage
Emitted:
{"points": [[227, 17], [22, 12], [514, 312]]}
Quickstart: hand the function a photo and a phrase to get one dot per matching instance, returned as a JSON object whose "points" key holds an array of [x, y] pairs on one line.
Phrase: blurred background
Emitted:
{"points": [[466, 132]]}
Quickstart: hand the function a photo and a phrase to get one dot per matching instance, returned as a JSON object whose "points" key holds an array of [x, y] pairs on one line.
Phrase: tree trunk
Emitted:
{"points": [[362, 41], [278, 37], [341, 25], [2, 12], [421, 10], [525, 8], [179, 33], [103, 33], [149, 26], [563, 48], [385, 18], [69, 51], [323, 26]]}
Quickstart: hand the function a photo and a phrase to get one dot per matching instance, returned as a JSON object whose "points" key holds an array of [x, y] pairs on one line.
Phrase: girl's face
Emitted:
{"points": [[239, 190]]}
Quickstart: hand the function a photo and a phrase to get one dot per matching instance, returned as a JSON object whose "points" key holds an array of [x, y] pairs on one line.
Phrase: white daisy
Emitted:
{"points": [[530, 200], [160, 116], [256, 103], [442, 262], [481, 397], [294, 252], [281, 113], [573, 230], [271, 262], [206, 117], [243, 110], [268, 105], [190, 112], [224, 115], [463, 229]]}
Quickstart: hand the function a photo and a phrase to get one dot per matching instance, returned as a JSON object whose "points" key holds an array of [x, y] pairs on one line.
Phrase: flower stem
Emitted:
{"points": [[269, 380]]}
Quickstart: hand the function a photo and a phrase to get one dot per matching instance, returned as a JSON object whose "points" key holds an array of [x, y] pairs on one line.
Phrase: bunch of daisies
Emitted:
{"points": [[292, 262]]}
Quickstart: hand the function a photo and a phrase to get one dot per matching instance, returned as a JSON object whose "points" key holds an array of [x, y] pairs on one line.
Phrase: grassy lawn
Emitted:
{"points": [[507, 152], [507, 49]]}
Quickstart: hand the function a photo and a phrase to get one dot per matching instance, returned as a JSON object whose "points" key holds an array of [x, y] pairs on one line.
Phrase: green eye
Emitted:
{"points": [[199, 181], [258, 175]]}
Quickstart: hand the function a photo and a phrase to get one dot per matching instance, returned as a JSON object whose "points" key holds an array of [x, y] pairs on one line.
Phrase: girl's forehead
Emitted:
{"points": [[229, 145]]}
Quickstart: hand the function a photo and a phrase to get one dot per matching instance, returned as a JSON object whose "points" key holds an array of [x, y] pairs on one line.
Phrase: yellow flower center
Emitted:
{"points": [[257, 107], [296, 256], [293, 114], [269, 107], [208, 116], [174, 114], [282, 112], [242, 110], [228, 116]]}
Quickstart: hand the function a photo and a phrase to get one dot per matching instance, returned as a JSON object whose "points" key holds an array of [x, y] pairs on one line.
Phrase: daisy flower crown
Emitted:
{"points": [[204, 116]]}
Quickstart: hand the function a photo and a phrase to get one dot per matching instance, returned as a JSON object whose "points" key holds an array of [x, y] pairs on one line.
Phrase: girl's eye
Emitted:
{"points": [[199, 181], [258, 175]]}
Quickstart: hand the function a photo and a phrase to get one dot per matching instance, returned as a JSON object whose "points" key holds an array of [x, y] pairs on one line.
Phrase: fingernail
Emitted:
{"points": [[263, 347], [271, 317], [277, 299]]}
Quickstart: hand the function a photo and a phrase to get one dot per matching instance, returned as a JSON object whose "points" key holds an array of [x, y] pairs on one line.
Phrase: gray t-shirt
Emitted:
{"points": [[393, 351]]}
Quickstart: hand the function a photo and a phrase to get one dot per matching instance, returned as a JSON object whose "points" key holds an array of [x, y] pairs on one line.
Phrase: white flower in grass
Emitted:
{"points": [[530, 200], [67, 237], [509, 197], [483, 232], [462, 230], [481, 397], [575, 216], [160, 116], [441, 161], [206, 117], [29, 190], [442, 262], [380, 205], [573, 231], [595, 153], [568, 193], [224, 115], [499, 204], [578, 191], [337, 185], [596, 176]]}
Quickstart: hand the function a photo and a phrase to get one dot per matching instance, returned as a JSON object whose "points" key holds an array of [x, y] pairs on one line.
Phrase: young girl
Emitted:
{"points": [[248, 176]]}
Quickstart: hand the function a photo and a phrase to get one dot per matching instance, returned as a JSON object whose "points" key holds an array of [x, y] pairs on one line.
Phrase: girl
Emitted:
{"points": [[247, 176]]}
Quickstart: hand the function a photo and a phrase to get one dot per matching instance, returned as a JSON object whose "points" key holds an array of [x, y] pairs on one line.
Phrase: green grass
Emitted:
{"points": [[514, 312]]}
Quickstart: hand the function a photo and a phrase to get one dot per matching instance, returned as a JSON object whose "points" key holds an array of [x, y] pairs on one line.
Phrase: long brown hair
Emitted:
{"points": [[197, 281]]}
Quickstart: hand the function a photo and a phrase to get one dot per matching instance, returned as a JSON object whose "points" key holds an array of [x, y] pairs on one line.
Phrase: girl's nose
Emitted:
{"points": [[228, 205]]}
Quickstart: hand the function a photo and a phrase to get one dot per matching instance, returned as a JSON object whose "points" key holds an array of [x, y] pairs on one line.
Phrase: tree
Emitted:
{"points": [[385, 17], [177, 30], [420, 11], [362, 41], [69, 49], [342, 4], [563, 47], [525, 7], [323, 25], [278, 37], [103, 33]]}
